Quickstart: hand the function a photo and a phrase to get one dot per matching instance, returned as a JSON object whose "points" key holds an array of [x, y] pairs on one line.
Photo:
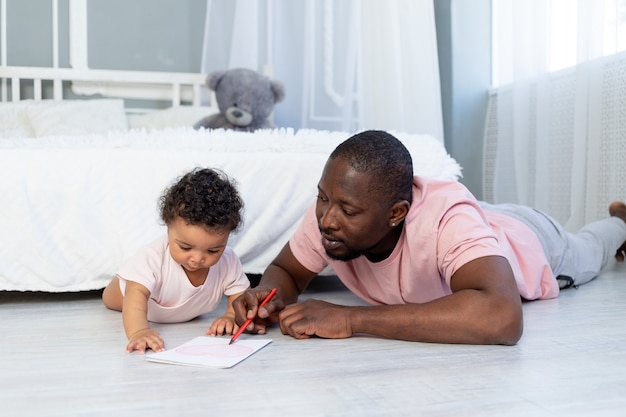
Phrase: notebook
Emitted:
{"points": [[210, 352]]}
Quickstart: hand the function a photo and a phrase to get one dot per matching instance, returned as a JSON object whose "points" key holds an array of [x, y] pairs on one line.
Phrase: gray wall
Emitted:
{"points": [[29, 27], [464, 44], [169, 36]]}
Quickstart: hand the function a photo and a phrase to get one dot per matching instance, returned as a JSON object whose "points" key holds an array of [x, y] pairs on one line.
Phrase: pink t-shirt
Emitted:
{"points": [[173, 299], [444, 229]]}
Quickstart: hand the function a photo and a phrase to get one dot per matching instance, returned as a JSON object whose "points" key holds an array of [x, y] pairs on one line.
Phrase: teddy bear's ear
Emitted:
{"points": [[214, 79], [279, 90]]}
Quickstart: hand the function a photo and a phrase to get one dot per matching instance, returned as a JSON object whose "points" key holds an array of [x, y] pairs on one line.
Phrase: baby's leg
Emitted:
{"points": [[112, 295], [618, 209]]}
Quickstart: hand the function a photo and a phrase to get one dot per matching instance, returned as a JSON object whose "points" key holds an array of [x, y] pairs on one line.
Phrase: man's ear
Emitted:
{"points": [[398, 212]]}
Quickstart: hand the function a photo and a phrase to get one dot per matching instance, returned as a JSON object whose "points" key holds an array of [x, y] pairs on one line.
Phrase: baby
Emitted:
{"points": [[183, 274]]}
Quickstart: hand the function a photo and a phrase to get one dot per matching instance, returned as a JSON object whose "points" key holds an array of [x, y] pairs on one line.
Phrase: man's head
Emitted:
{"points": [[364, 195], [384, 158]]}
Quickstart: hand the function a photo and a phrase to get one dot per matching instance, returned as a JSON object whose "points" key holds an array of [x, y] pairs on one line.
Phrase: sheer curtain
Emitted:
{"points": [[346, 64], [548, 131]]}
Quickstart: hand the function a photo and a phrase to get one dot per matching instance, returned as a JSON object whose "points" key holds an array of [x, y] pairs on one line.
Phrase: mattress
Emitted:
{"points": [[74, 207]]}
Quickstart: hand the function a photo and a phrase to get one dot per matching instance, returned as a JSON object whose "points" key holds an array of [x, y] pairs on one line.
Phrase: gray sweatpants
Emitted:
{"points": [[579, 255]]}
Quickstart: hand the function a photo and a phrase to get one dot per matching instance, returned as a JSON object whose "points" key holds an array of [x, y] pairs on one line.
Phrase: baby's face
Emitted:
{"points": [[195, 247]]}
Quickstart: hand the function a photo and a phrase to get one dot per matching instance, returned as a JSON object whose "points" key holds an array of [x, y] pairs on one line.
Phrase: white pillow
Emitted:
{"points": [[172, 117], [14, 121], [78, 117]]}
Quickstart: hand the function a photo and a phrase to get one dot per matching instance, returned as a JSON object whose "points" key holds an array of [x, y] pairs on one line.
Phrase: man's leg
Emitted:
{"points": [[575, 258], [592, 247]]}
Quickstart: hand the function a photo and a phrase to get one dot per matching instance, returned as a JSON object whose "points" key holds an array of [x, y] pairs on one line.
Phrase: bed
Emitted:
{"points": [[80, 174], [75, 206]]}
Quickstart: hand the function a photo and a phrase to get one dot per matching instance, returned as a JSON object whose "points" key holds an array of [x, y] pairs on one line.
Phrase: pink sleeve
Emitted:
{"points": [[306, 243], [145, 267], [464, 235]]}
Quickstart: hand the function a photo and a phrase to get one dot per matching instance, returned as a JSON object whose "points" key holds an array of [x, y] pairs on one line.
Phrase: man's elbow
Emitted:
{"points": [[511, 327]]}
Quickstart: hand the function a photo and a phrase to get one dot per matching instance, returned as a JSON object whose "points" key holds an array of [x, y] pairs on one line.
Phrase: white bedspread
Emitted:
{"points": [[75, 207]]}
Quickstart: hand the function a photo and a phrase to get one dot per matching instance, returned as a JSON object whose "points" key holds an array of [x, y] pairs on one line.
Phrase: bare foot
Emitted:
{"points": [[618, 209]]}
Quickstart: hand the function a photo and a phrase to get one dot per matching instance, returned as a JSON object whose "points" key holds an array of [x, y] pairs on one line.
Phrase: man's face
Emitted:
{"points": [[352, 219]]}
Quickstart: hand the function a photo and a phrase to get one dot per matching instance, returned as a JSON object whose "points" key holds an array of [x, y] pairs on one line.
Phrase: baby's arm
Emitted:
{"points": [[135, 318], [226, 323]]}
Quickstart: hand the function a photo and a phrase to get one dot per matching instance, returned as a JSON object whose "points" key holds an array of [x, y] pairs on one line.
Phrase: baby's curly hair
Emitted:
{"points": [[203, 197]]}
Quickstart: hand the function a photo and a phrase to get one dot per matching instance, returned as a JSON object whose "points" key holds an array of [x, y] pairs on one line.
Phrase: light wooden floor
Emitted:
{"points": [[63, 355]]}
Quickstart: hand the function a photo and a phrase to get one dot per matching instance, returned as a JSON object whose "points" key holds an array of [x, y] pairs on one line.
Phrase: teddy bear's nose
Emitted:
{"points": [[237, 113]]}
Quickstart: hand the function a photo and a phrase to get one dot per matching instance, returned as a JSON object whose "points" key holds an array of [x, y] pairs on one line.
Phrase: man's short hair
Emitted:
{"points": [[385, 158]]}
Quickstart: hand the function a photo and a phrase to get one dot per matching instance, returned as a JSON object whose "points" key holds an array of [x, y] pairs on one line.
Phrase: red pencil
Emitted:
{"points": [[243, 326]]}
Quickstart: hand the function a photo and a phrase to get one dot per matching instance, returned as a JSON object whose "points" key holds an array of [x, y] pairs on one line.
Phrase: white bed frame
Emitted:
{"points": [[176, 87]]}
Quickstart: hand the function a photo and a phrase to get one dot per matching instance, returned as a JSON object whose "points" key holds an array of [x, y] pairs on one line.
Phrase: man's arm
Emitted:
{"points": [[484, 308]]}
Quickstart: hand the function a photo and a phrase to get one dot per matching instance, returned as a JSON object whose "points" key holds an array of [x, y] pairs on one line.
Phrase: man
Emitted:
{"points": [[435, 264]]}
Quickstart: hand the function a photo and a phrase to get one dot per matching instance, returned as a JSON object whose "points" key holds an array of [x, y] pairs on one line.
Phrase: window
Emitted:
{"points": [[538, 36]]}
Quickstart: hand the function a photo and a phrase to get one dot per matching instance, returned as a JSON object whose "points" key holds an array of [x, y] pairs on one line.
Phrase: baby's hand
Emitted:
{"points": [[223, 325], [144, 339]]}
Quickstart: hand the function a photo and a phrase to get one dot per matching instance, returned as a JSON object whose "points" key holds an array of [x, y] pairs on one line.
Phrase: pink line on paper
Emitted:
{"points": [[220, 351]]}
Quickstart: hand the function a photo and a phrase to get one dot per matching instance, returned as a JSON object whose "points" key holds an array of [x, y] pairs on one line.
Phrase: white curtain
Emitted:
{"points": [[549, 108], [346, 64]]}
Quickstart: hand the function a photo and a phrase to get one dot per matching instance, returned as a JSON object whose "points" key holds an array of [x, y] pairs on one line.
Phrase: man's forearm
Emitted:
{"points": [[457, 318], [276, 277]]}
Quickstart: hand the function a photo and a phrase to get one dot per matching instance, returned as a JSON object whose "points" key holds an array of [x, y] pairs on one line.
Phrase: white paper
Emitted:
{"points": [[212, 352]]}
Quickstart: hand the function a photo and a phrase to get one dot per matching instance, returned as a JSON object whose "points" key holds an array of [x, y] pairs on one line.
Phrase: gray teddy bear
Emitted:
{"points": [[245, 99]]}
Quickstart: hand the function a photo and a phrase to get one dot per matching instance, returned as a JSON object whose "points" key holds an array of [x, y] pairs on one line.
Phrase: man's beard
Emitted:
{"points": [[350, 255]]}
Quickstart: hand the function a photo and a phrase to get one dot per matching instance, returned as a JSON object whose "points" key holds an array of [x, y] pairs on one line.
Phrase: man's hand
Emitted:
{"points": [[247, 306], [316, 318]]}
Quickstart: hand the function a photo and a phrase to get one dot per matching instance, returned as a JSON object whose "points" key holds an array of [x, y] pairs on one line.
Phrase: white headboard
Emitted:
{"points": [[175, 87]]}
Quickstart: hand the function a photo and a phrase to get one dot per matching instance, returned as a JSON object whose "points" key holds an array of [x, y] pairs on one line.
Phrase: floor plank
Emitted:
{"points": [[63, 355]]}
